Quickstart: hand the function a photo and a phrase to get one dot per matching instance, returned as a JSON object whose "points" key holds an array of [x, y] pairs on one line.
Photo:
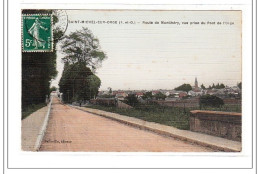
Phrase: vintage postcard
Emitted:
{"points": [[131, 80]]}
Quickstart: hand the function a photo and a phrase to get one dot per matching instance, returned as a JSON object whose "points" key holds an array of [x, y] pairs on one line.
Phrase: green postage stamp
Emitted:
{"points": [[37, 34]]}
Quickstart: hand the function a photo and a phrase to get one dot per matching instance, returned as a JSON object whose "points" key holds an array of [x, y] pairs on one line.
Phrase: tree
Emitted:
{"points": [[94, 83], [53, 88], [184, 87], [38, 68], [160, 96], [132, 100], [109, 90], [239, 85], [83, 56], [78, 83], [210, 100], [222, 86], [147, 96], [83, 47], [202, 86]]}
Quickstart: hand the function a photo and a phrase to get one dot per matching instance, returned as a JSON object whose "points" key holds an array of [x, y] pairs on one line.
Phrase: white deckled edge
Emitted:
{"points": [[43, 129]]}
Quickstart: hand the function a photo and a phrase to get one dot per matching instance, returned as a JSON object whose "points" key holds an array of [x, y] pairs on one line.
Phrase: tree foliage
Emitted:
{"points": [[239, 85], [93, 84], [184, 87], [132, 100], [218, 86], [82, 56], [53, 88], [83, 47], [202, 86], [210, 100], [78, 83], [38, 68], [160, 96], [147, 96], [109, 90]]}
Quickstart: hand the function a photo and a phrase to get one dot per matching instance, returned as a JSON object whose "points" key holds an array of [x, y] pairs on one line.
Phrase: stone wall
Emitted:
{"points": [[221, 124]]}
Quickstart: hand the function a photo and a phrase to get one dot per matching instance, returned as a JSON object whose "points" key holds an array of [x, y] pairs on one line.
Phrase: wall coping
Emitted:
{"points": [[216, 113]]}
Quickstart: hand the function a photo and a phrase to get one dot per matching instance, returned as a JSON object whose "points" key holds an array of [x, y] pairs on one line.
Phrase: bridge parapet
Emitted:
{"points": [[221, 124]]}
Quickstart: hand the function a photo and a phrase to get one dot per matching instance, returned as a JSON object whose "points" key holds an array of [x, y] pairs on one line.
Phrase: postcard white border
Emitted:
{"points": [[19, 159]]}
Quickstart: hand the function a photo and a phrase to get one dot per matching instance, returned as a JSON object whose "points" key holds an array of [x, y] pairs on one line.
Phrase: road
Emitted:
{"points": [[70, 129]]}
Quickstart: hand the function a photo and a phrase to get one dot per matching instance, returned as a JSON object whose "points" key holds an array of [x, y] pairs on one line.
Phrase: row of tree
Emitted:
{"points": [[38, 68], [187, 87], [82, 56], [78, 83]]}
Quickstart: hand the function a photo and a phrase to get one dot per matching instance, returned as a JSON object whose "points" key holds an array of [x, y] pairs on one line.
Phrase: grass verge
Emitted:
{"points": [[176, 117], [30, 109], [171, 116]]}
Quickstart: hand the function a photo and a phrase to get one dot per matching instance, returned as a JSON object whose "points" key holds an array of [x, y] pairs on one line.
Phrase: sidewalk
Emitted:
{"points": [[31, 127], [213, 142]]}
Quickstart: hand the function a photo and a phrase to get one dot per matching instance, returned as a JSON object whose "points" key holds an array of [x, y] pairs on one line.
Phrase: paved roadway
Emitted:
{"points": [[70, 129]]}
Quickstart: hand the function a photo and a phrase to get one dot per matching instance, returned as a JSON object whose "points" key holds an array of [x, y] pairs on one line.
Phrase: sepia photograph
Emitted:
{"points": [[131, 80]]}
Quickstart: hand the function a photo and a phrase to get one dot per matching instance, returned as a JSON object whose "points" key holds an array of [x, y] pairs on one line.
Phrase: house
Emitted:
{"points": [[194, 93], [139, 94], [211, 91], [182, 94], [121, 95], [155, 92]]}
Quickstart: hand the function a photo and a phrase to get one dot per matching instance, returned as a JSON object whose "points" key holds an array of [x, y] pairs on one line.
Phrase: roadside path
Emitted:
{"points": [[31, 126]]}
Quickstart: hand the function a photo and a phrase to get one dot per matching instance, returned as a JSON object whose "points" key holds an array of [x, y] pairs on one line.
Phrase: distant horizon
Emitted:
{"points": [[206, 86]]}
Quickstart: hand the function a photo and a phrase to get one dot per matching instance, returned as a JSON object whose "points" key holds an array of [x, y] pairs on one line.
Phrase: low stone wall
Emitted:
{"points": [[232, 101], [221, 124]]}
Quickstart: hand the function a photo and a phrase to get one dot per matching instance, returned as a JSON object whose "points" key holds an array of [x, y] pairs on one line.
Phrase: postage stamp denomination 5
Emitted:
{"points": [[37, 33]]}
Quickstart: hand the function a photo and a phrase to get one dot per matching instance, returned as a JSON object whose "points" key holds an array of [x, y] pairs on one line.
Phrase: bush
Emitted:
{"points": [[132, 100], [160, 96], [211, 100]]}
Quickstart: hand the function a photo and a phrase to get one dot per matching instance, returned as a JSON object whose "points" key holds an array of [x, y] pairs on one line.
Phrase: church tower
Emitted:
{"points": [[196, 83]]}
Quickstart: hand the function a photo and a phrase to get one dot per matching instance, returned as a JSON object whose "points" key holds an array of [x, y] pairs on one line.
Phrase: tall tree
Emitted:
{"points": [[38, 68], [83, 47], [94, 83], [82, 56], [78, 83]]}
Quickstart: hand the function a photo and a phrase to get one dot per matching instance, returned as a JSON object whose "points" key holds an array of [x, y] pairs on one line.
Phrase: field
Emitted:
{"points": [[172, 116]]}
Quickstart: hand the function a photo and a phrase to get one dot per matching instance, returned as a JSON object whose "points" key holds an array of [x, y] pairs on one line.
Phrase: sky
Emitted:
{"points": [[163, 56]]}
